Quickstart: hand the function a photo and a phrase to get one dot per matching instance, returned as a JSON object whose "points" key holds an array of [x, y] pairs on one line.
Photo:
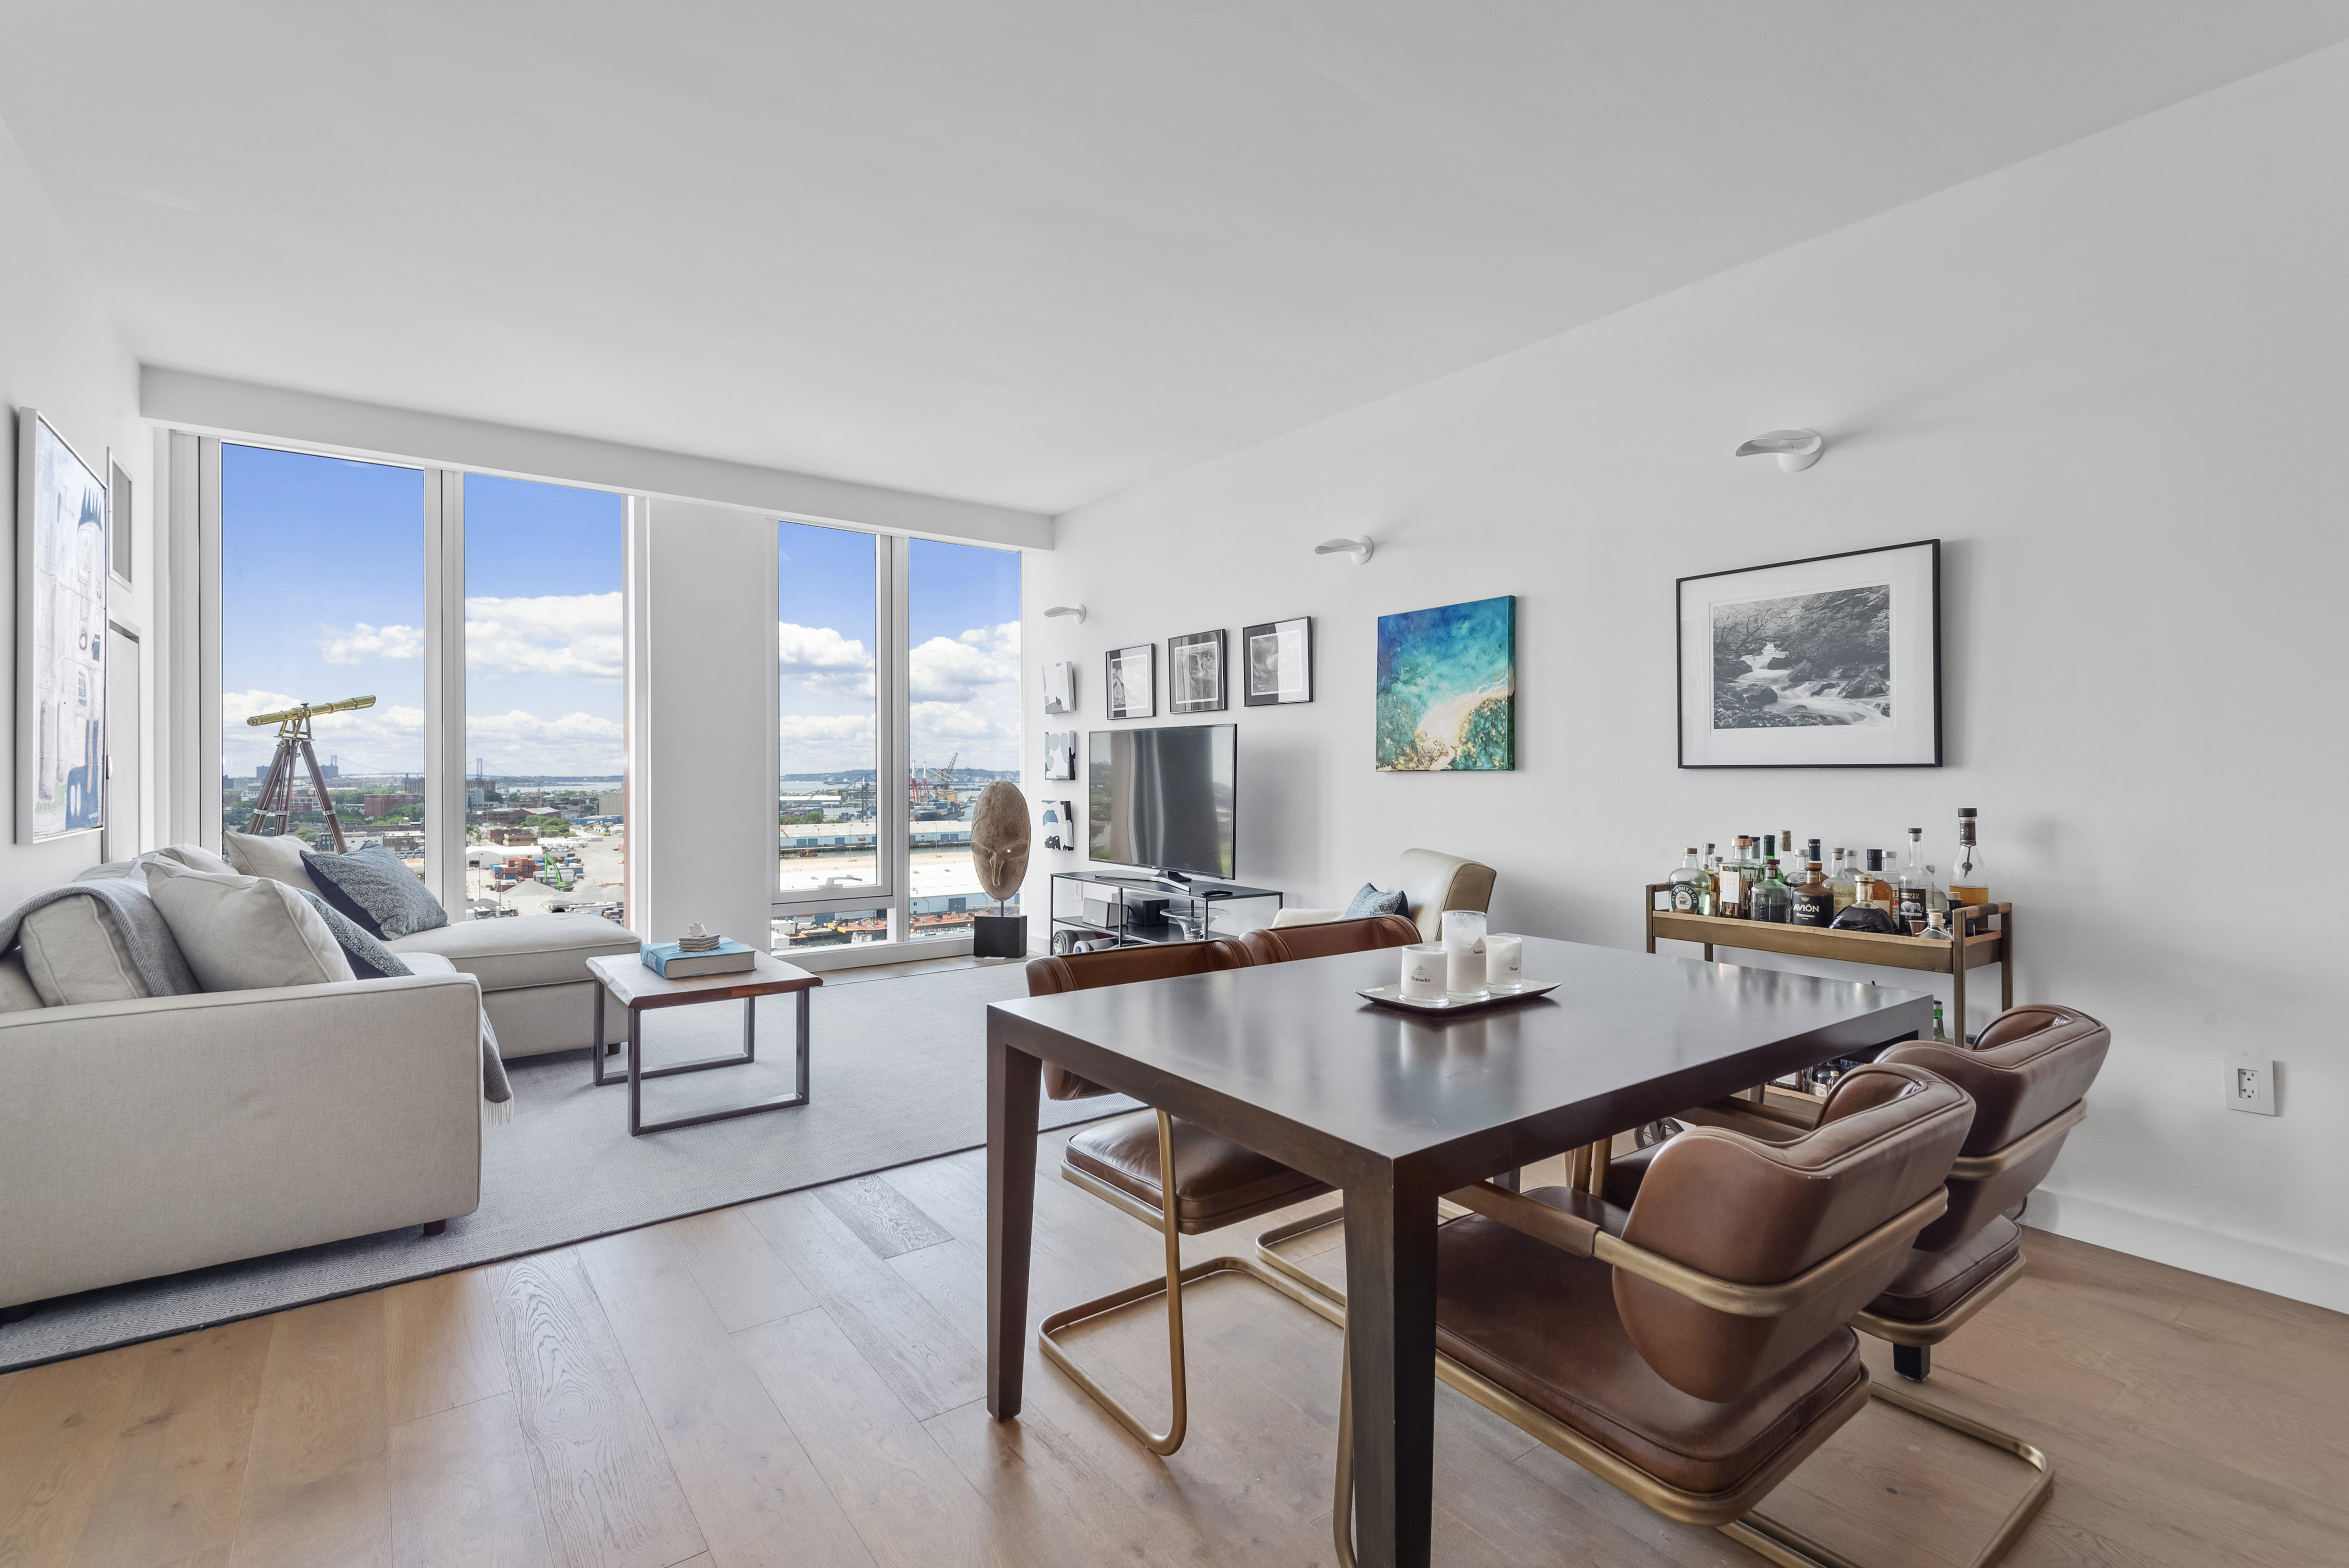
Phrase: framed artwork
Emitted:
{"points": [[1060, 754], [1061, 687], [1447, 688], [1134, 681], [1279, 666], [1194, 672], [1833, 660], [61, 581], [1058, 826]]}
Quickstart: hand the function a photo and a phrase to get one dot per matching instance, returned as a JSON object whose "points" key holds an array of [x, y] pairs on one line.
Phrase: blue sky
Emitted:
{"points": [[323, 589]]}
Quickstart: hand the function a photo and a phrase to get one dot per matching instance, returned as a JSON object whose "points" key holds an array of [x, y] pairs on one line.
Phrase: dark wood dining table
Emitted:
{"points": [[1396, 1109]]}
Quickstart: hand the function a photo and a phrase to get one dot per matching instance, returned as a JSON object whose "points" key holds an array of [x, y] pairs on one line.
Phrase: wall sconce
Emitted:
{"points": [[1076, 610], [1360, 549], [1794, 450]]}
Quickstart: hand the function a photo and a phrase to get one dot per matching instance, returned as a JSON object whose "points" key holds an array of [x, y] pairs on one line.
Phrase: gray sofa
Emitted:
{"points": [[534, 974], [141, 1138]]}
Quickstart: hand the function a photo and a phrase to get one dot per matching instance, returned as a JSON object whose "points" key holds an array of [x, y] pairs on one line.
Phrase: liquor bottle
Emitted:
{"points": [[1843, 882], [1939, 1032], [1869, 884], [1811, 901], [1770, 900], [1687, 878], [1937, 928], [1769, 848], [1916, 886], [1733, 882], [1708, 888], [1968, 882]]}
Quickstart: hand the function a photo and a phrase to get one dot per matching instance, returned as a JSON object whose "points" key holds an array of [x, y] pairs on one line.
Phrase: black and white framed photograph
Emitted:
{"points": [[61, 582], [1194, 672], [1134, 681], [1277, 662], [1831, 662], [1060, 754]]}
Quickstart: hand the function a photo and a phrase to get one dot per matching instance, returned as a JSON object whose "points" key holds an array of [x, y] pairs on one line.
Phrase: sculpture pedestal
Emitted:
{"points": [[998, 936]]}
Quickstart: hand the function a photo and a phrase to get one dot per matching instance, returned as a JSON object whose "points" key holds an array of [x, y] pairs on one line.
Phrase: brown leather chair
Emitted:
{"points": [[2029, 1074], [1285, 945], [1693, 1351], [1123, 1161]]}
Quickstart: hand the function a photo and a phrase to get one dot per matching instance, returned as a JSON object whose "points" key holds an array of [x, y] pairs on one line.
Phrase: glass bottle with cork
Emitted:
{"points": [[1771, 900], [1708, 898], [1916, 892], [1688, 877], [1969, 881], [1844, 882], [1734, 882], [1811, 900]]}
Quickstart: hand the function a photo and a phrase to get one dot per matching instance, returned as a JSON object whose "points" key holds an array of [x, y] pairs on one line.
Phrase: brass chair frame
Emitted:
{"points": [[1166, 1220], [1732, 1513]]}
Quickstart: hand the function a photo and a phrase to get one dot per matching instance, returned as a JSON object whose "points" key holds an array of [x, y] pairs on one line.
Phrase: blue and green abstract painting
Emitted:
{"points": [[1448, 688]]}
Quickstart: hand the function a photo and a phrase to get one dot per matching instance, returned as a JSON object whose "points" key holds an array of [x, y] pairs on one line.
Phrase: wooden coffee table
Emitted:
{"points": [[641, 990]]}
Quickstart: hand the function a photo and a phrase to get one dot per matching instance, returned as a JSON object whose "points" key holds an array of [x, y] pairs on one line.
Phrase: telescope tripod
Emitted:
{"points": [[277, 789]]}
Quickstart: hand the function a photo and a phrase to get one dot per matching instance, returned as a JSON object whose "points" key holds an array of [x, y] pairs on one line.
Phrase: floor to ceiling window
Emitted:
{"points": [[898, 671], [829, 585], [544, 748], [322, 598], [962, 645]]}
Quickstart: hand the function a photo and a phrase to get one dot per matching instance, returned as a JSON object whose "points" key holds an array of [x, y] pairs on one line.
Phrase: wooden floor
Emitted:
{"points": [[797, 1381]]}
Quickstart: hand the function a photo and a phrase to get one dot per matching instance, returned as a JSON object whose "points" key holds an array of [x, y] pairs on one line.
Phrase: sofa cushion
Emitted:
{"points": [[525, 949], [245, 934], [260, 855], [17, 994], [73, 955], [374, 888], [1371, 902], [369, 959]]}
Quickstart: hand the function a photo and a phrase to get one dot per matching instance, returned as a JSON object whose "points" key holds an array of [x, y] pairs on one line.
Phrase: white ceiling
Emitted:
{"points": [[1026, 252]]}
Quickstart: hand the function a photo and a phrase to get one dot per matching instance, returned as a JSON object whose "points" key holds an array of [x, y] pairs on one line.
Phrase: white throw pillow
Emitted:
{"points": [[73, 955], [279, 858], [244, 933], [195, 857]]}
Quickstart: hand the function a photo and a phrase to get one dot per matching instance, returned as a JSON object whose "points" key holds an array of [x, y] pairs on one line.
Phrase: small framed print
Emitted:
{"points": [[1194, 672], [1060, 754], [1277, 662], [1058, 825], [1060, 686], [1829, 662], [1134, 681]]}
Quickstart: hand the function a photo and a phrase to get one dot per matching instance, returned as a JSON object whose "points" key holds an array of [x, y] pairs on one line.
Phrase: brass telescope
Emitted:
{"points": [[302, 714], [276, 798]]}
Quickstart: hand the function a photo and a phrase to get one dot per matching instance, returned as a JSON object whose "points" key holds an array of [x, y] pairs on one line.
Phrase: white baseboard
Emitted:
{"points": [[2320, 1282]]}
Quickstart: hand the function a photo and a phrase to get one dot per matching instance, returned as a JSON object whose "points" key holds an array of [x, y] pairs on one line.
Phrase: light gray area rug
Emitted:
{"points": [[897, 1073]]}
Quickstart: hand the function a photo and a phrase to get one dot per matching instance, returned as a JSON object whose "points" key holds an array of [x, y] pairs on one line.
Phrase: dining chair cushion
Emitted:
{"points": [[1216, 1182], [2029, 1063], [1934, 1283], [1543, 1325], [1122, 967], [1288, 944]]}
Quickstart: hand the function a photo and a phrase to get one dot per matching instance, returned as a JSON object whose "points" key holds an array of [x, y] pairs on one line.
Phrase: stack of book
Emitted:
{"points": [[698, 953]]}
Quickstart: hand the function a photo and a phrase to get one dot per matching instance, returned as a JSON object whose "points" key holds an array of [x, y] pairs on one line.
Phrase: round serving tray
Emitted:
{"points": [[1393, 996]]}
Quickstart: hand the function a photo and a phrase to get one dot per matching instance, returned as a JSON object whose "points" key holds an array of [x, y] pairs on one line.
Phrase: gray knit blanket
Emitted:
{"points": [[123, 904]]}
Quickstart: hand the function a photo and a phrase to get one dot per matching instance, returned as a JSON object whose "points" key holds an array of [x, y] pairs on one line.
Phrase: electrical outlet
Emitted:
{"points": [[2250, 1083]]}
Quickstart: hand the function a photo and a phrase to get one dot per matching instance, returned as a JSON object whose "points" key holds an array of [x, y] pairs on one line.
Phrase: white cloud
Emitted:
{"points": [[966, 698], [519, 742], [821, 659], [363, 642], [826, 742], [955, 669], [576, 634]]}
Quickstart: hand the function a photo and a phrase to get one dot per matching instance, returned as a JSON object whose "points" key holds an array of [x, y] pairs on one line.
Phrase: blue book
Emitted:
{"points": [[729, 957]]}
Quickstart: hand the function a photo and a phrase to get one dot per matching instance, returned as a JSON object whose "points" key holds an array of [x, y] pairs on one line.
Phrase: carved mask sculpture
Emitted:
{"points": [[998, 839]]}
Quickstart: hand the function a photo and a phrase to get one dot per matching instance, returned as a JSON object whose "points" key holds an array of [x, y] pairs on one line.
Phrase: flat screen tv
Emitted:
{"points": [[1163, 797]]}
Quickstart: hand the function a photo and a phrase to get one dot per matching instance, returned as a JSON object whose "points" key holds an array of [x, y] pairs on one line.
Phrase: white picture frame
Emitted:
{"points": [[62, 576], [1196, 681], [1132, 689], [1060, 686], [1060, 754]]}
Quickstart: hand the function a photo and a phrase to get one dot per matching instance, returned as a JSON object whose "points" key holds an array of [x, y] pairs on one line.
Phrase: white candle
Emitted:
{"points": [[1464, 951], [1504, 963], [1423, 971]]}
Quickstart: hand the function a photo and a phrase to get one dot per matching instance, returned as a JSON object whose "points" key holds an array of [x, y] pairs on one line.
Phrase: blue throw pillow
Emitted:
{"points": [[376, 890], [370, 959], [1371, 902]]}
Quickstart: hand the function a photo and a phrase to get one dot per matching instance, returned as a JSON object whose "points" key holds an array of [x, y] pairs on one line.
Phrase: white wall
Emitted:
{"points": [[61, 353], [701, 788], [2111, 380]]}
